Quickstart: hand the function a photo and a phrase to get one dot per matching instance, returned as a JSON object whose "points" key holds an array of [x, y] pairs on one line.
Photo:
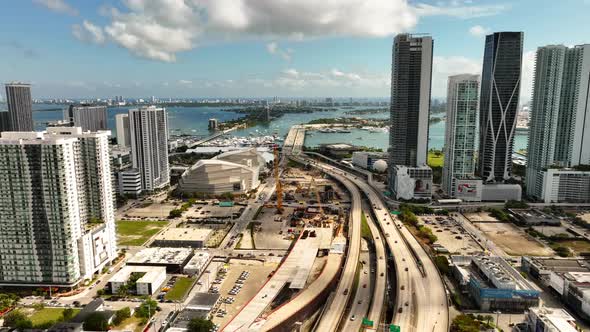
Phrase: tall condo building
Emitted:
{"points": [[149, 146], [56, 206], [559, 136], [123, 131], [411, 77], [88, 117], [500, 89], [460, 132], [20, 106]]}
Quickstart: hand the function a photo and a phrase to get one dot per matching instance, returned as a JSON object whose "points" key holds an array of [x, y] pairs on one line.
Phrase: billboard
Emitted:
{"points": [[468, 189]]}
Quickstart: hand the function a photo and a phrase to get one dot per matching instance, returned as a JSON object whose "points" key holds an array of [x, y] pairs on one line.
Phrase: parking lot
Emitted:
{"points": [[241, 281], [151, 211], [451, 236]]}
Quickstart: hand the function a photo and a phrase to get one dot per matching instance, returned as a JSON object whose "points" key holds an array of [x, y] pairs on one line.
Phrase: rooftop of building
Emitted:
{"points": [[152, 273], [561, 265], [535, 216], [559, 319], [199, 259], [493, 271], [339, 146], [184, 234], [161, 256]]}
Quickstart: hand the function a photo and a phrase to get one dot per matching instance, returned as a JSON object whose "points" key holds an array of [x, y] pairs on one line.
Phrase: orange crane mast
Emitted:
{"points": [[278, 181]]}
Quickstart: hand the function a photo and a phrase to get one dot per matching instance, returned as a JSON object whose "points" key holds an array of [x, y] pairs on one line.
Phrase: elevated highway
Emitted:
{"points": [[421, 301], [333, 313]]}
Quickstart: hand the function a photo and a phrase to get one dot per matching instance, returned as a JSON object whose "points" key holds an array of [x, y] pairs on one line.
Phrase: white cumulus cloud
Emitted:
{"points": [[159, 29], [274, 49], [88, 32], [478, 31], [59, 6]]}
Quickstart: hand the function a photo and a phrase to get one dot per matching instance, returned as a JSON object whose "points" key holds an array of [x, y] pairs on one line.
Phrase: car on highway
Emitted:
{"points": [[365, 286], [346, 292]]}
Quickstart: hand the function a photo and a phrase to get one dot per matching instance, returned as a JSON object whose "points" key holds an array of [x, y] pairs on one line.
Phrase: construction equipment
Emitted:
{"points": [[317, 195], [278, 180]]}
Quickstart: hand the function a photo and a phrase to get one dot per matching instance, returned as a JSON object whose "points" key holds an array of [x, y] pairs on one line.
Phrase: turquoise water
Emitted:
{"points": [[193, 121]]}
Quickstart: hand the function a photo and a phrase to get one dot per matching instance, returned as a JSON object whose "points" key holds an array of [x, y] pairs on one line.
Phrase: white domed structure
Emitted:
{"points": [[380, 166]]}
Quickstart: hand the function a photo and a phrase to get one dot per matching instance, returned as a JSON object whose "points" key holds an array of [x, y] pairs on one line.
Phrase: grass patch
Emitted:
{"points": [[365, 230], [577, 246], [136, 233], [131, 322], [180, 289], [435, 158], [45, 315]]}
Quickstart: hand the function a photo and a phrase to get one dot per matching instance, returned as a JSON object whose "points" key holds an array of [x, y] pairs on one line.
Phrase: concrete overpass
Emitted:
{"points": [[421, 301]]}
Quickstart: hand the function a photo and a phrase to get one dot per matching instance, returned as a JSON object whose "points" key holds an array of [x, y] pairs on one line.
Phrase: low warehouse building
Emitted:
{"points": [[173, 259], [494, 284], [569, 277], [183, 237], [197, 264], [147, 279], [234, 171]]}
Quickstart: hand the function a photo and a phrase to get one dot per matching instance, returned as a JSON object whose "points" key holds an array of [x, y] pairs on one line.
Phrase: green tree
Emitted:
{"points": [[465, 323], [200, 325], [18, 319], [442, 263], [176, 213], [8, 300], [96, 321], [146, 309], [123, 290], [67, 314], [121, 315]]}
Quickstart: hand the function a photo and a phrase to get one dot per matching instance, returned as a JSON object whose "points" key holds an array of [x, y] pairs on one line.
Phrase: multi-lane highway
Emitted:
{"points": [[334, 311], [380, 285], [421, 302], [360, 303]]}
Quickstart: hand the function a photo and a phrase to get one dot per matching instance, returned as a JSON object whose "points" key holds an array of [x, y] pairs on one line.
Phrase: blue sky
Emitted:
{"points": [[232, 48]]}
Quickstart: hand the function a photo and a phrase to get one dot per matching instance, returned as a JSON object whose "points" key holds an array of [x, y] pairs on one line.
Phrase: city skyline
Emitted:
{"points": [[232, 58]]}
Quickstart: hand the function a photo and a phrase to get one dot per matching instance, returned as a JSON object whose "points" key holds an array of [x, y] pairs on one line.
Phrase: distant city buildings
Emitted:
{"points": [[460, 134], [88, 117], [557, 134], [20, 108], [409, 115], [56, 206], [213, 124], [500, 89], [149, 146], [123, 130]]}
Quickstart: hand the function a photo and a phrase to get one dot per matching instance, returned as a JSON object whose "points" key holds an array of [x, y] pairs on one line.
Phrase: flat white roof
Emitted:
{"points": [[161, 256], [152, 273]]}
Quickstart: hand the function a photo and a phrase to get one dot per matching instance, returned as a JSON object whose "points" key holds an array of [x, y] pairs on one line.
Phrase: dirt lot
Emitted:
{"points": [[480, 217], [258, 275], [513, 240], [585, 217], [155, 210]]}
